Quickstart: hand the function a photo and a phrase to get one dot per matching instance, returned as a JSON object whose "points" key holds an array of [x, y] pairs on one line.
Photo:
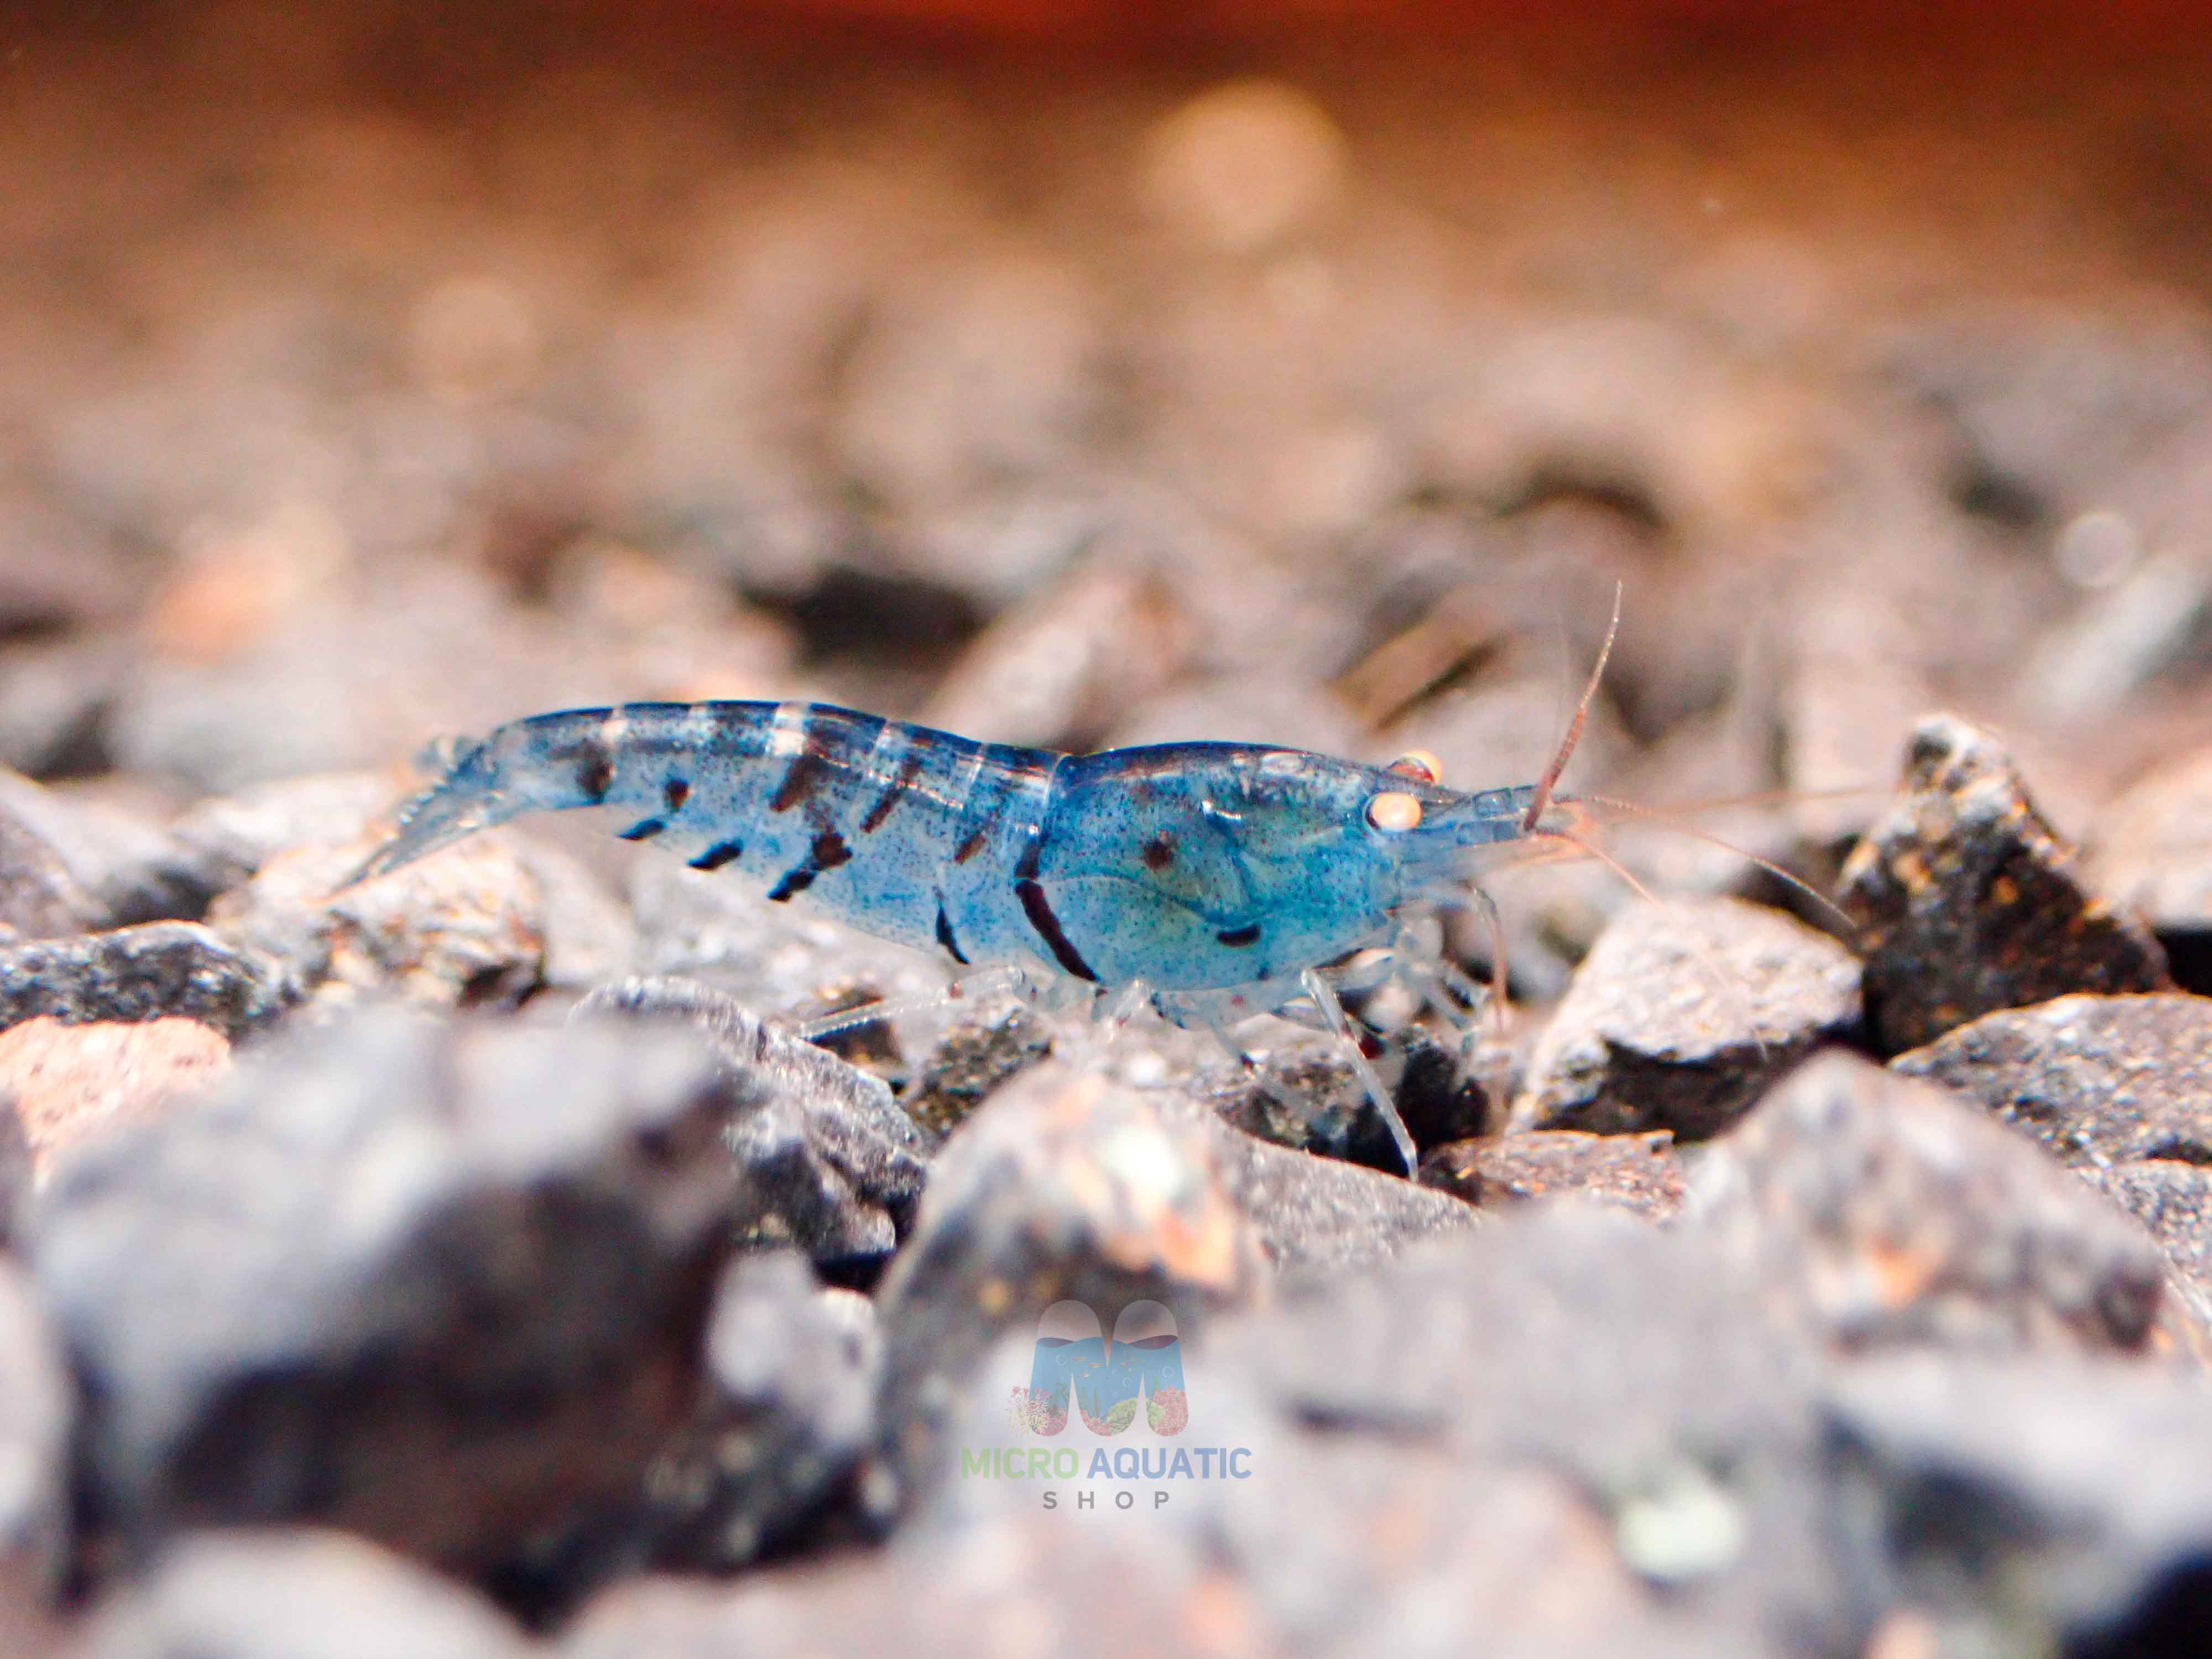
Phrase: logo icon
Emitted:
{"points": [[1077, 1369]]}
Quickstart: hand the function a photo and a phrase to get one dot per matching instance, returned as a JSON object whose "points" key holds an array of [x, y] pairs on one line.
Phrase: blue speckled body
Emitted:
{"points": [[1195, 868]]}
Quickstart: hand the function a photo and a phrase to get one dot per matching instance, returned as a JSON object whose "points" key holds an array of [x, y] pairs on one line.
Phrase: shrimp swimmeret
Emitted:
{"points": [[1214, 880]]}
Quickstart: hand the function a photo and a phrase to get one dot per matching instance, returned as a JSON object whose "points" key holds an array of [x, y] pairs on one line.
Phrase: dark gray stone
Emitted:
{"points": [[1966, 901], [439, 1284], [222, 843], [827, 1160], [1888, 1211], [40, 895], [975, 1057], [1567, 1341], [146, 972], [294, 1593], [1314, 1215], [2093, 1079], [1064, 1186], [2031, 1506], [1682, 1016], [786, 1417], [37, 1407], [1306, 1094], [1639, 1173]]}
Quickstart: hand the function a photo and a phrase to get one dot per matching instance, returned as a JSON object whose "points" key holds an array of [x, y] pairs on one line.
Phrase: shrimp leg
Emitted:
{"points": [[1339, 1027]]}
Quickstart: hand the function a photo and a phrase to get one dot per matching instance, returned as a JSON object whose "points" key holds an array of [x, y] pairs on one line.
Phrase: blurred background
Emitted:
{"points": [[1084, 373]]}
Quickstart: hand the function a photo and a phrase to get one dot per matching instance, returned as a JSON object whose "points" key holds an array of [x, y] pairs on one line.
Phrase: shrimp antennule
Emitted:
{"points": [[1541, 800]]}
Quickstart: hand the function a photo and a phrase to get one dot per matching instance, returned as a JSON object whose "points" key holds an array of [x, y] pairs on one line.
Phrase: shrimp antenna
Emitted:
{"points": [[1540, 802], [1636, 810]]}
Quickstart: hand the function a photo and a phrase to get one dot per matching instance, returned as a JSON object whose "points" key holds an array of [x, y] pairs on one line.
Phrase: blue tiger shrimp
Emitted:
{"points": [[1214, 881]]}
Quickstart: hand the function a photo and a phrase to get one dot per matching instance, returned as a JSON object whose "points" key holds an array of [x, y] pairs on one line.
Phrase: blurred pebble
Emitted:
{"points": [[222, 843], [1641, 1173], [53, 703], [2173, 1201], [1242, 708], [143, 973], [465, 927], [2151, 850], [1245, 166], [1059, 668], [981, 370], [471, 340], [2052, 1507], [788, 1414], [469, 1297], [2139, 625], [39, 897], [1895, 1214], [74, 1083], [38, 1409], [1681, 1015], [294, 1593], [110, 834], [1063, 1187], [1966, 901]]}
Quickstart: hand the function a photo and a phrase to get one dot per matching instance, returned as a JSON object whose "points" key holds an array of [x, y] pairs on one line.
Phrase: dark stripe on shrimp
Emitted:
{"points": [[644, 830], [909, 770], [718, 854], [827, 852], [944, 936], [676, 791], [809, 770], [1237, 938], [595, 765], [1038, 910], [973, 845]]}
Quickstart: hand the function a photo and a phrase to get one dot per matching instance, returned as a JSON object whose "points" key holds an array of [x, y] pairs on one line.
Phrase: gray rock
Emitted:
{"points": [[40, 896], [1891, 1213], [1315, 1215], [37, 1411], [1307, 1096], [1639, 1173], [2173, 1201], [977, 1056], [222, 842], [116, 845], [294, 1593], [461, 930], [826, 1159], [1518, 1568], [1581, 1344], [2030, 1507], [146, 972], [2151, 849], [438, 1285], [787, 1415], [1966, 901], [1682, 1016], [2094, 1079], [1063, 1187], [17, 1174]]}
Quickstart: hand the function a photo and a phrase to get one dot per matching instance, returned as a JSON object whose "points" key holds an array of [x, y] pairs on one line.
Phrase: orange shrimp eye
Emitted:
{"points": [[1420, 765], [1394, 812]]}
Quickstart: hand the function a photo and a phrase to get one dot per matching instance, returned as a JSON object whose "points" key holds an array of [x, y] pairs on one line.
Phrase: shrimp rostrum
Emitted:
{"points": [[1211, 880]]}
